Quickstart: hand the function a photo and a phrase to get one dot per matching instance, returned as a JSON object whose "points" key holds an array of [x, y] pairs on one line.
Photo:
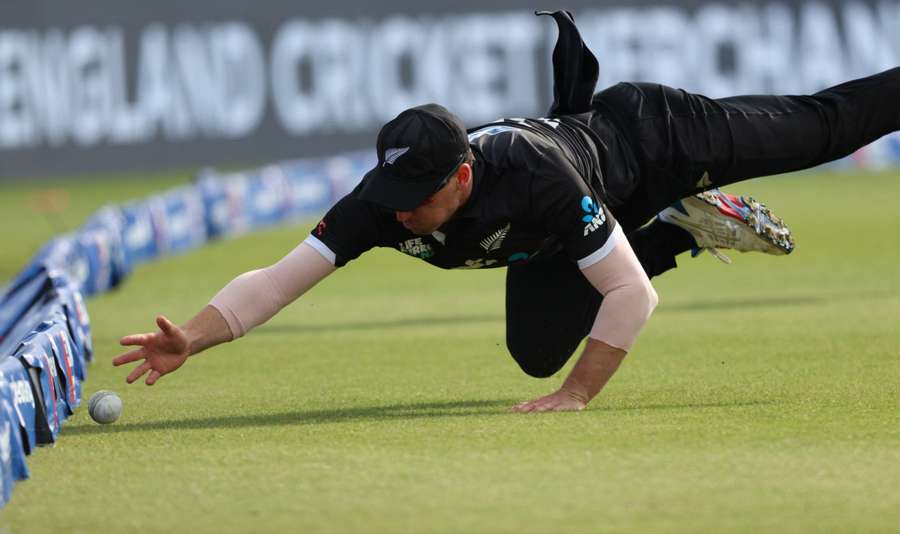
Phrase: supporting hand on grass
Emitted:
{"points": [[560, 401], [162, 352], [593, 370]]}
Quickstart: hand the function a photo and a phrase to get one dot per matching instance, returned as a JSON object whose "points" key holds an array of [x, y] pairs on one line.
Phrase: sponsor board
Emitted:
{"points": [[208, 84]]}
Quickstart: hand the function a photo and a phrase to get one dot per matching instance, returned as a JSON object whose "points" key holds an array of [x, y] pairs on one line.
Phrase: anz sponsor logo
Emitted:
{"points": [[595, 217]]}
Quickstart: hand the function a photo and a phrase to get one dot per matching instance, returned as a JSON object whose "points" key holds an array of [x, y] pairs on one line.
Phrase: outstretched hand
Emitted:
{"points": [[560, 401], [162, 352]]}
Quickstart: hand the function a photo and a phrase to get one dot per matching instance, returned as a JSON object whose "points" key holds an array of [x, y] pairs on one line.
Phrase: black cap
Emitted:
{"points": [[417, 152]]}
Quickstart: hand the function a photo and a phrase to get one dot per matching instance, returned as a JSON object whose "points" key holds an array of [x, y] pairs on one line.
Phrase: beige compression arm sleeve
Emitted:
{"points": [[628, 296], [254, 297]]}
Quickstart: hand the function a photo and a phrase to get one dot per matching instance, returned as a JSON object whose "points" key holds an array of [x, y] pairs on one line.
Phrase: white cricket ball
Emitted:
{"points": [[105, 407]]}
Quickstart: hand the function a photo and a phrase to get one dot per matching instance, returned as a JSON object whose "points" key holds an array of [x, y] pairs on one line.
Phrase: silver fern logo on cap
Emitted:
{"points": [[391, 155]]}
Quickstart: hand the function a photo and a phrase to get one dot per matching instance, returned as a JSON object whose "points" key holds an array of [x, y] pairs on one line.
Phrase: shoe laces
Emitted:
{"points": [[714, 251]]}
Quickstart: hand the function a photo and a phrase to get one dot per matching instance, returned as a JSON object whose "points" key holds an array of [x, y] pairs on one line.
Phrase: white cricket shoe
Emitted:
{"points": [[719, 220]]}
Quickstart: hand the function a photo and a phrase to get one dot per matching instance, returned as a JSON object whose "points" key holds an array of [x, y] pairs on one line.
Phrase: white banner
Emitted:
{"points": [[88, 88]]}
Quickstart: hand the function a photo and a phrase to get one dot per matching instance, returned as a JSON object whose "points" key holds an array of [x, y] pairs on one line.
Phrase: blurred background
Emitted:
{"points": [[102, 86]]}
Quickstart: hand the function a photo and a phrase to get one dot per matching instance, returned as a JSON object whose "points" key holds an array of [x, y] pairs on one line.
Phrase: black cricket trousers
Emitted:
{"points": [[676, 139]]}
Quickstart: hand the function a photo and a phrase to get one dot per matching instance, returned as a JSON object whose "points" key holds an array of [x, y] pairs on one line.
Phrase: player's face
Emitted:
{"points": [[439, 207]]}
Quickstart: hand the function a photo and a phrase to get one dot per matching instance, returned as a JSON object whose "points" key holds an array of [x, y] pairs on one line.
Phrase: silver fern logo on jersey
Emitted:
{"points": [[391, 155], [495, 241]]}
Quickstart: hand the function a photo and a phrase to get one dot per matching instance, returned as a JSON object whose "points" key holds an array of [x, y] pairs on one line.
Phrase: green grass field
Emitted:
{"points": [[763, 396]]}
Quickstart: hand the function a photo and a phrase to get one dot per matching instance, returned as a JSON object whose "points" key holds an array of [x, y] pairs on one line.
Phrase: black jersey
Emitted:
{"points": [[536, 192]]}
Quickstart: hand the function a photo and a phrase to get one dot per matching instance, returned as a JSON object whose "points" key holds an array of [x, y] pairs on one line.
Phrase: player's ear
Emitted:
{"points": [[464, 175]]}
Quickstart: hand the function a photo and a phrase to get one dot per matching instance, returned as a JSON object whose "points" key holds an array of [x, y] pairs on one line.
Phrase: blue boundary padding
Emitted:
{"points": [[15, 381], [45, 331]]}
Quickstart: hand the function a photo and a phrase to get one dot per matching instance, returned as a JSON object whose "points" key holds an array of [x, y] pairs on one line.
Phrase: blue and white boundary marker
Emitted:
{"points": [[45, 331]]}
